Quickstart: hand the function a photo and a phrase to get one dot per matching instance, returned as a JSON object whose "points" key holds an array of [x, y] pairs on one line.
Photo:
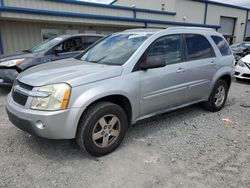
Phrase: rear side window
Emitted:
{"points": [[168, 48], [222, 45], [198, 47]]}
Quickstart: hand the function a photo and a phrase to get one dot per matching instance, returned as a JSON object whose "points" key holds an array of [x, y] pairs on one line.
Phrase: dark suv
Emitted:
{"points": [[62, 47]]}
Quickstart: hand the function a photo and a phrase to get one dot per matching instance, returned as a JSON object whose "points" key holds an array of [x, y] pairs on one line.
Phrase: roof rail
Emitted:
{"points": [[143, 30], [194, 28]]}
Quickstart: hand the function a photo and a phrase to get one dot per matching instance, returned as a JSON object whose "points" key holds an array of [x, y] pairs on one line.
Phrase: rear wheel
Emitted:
{"points": [[218, 96], [102, 128]]}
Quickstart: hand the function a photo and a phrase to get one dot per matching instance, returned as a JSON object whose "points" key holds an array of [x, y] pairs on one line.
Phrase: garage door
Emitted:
{"points": [[227, 26], [248, 29]]}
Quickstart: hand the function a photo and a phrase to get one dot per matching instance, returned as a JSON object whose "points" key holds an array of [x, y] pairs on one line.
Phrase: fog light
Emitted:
{"points": [[39, 124]]}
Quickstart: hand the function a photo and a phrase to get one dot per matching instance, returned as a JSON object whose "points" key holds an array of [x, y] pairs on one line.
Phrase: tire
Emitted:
{"points": [[102, 128], [214, 104]]}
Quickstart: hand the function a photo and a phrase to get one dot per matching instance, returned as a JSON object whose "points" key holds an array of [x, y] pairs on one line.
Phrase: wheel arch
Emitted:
{"points": [[227, 78], [118, 99], [225, 73]]}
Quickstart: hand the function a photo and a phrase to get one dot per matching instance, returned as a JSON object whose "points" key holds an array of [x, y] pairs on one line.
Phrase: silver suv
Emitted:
{"points": [[125, 77]]}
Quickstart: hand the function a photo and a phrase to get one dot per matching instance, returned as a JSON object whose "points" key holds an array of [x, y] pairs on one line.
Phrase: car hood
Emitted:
{"points": [[246, 59], [71, 71], [21, 55], [237, 49]]}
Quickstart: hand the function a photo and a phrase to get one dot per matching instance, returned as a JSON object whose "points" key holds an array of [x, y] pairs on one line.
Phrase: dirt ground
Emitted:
{"points": [[189, 147]]}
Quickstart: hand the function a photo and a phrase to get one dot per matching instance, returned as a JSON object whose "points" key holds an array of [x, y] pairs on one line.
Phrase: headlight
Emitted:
{"points": [[11, 63], [58, 98], [241, 63]]}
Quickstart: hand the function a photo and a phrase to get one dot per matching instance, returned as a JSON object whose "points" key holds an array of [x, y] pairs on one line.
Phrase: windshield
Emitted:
{"points": [[115, 49], [45, 45]]}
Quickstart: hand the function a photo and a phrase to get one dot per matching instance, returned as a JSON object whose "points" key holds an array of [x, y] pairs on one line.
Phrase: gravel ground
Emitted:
{"points": [[189, 147]]}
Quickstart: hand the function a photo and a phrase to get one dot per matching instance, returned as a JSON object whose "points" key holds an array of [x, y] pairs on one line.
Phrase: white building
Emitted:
{"points": [[24, 23]]}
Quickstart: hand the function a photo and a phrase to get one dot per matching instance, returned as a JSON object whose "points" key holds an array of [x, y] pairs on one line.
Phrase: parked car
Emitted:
{"points": [[62, 47], [120, 80], [242, 68], [241, 49]]}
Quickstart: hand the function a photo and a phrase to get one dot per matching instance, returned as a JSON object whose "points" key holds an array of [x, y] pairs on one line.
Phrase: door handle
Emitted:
{"points": [[212, 63], [179, 70]]}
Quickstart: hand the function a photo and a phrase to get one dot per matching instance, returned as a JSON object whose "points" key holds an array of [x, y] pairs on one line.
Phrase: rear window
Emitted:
{"points": [[198, 47], [222, 45]]}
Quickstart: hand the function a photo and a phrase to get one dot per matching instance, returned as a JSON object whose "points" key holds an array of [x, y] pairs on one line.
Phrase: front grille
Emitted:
{"points": [[246, 75], [20, 98]]}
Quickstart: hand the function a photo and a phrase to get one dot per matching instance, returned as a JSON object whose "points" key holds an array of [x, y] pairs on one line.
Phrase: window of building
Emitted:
{"points": [[168, 48], [198, 47], [51, 33], [222, 45]]}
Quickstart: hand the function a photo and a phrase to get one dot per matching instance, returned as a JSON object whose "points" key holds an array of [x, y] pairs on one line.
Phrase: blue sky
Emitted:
{"points": [[236, 2]]}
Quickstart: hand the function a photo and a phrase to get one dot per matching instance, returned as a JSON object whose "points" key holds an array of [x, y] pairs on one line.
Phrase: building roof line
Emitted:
{"points": [[114, 1], [115, 7], [222, 4], [98, 17]]}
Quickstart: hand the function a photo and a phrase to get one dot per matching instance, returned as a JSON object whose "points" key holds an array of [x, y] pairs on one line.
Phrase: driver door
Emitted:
{"points": [[67, 49], [165, 87]]}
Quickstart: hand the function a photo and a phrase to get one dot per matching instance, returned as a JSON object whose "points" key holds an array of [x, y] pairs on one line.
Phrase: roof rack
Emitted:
{"points": [[194, 28], [142, 30]]}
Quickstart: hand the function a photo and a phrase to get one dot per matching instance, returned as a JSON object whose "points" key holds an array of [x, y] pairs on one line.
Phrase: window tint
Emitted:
{"points": [[222, 45], [70, 45], [169, 48], [88, 41], [198, 47]]}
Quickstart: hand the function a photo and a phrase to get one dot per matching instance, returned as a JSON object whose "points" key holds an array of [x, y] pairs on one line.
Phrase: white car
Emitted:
{"points": [[242, 68]]}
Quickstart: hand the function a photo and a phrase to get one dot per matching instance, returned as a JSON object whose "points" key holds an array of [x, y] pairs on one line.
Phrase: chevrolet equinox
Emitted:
{"points": [[123, 78]]}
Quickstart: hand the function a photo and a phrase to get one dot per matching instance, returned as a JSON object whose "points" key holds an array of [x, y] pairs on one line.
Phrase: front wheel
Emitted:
{"points": [[102, 128], [218, 96]]}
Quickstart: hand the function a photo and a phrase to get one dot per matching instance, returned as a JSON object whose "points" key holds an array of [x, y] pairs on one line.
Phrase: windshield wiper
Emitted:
{"points": [[27, 51]]}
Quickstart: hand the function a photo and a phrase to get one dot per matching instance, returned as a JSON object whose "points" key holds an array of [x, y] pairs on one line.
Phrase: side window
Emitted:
{"points": [[168, 47], [70, 45], [222, 45], [198, 47], [88, 41]]}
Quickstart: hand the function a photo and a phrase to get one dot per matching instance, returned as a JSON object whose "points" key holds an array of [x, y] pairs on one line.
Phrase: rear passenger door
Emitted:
{"points": [[200, 66]]}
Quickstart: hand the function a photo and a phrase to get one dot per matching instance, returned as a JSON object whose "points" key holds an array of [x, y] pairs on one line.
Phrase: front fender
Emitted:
{"points": [[126, 86]]}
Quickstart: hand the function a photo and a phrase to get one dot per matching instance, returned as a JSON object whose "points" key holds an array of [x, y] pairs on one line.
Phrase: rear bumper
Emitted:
{"points": [[7, 76]]}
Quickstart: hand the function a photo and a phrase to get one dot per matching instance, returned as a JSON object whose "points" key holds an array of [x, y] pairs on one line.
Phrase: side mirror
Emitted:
{"points": [[152, 62]]}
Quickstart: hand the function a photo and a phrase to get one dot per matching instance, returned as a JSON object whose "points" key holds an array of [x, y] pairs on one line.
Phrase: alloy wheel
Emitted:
{"points": [[106, 131], [220, 95]]}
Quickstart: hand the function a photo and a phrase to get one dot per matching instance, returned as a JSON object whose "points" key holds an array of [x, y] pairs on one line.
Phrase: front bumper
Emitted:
{"points": [[242, 72], [7, 76], [56, 125]]}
